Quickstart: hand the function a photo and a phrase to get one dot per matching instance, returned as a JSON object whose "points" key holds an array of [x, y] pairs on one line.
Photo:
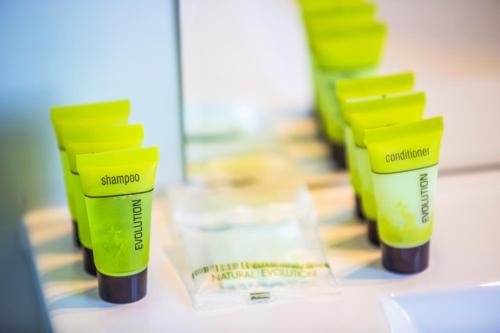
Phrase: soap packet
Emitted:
{"points": [[234, 247]]}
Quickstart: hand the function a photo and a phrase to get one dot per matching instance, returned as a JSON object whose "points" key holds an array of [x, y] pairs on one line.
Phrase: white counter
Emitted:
{"points": [[465, 251]]}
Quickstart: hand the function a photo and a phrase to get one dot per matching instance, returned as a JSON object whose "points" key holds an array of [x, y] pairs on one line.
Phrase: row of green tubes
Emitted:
{"points": [[109, 180], [374, 125]]}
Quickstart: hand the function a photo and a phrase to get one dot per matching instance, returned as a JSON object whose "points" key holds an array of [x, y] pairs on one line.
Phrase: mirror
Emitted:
{"points": [[248, 87], [248, 94]]}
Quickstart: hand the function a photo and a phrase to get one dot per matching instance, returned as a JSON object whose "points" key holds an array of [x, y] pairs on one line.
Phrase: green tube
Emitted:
{"points": [[108, 111], [116, 112], [345, 40], [379, 112], [321, 19], [404, 164], [85, 139], [350, 47], [375, 85], [328, 17], [328, 103], [118, 188], [312, 9], [349, 52], [348, 89]]}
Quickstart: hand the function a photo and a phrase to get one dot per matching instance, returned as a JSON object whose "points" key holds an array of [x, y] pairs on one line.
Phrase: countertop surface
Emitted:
{"points": [[465, 252]]}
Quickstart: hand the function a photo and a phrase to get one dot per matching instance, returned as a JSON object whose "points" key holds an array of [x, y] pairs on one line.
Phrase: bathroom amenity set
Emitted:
{"points": [[261, 242]]}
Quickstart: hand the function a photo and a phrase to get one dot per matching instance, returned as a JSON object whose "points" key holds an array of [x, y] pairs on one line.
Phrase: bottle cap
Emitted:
{"points": [[358, 209], [373, 232], [88, 261], [76, 236], [319, 125], [409, 260], [338, 154], [122, 289]]}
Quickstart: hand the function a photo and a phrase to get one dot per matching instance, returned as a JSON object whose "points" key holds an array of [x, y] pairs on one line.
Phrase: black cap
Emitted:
{"points": [[122, 289], [319, 125], [358, 209], [338, 154], [373, 232], [76, 236], [410, 260], [88, 261]]}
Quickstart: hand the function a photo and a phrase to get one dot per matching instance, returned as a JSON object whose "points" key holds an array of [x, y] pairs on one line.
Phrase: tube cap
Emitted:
{"points": [[122, 289], [320, 129], [88, 261], [358, 209], [373, 232], [410, 260], [338, 154], [76, 236]]}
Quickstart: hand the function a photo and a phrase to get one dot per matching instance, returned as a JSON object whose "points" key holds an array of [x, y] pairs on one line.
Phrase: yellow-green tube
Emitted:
{"points": [[344, 41], [314, 8], [374, 86], [351, 47], [404, 163], [349, 52], [105, 112], [118, 188], [328, 104], [321, 19], [328, 17], [85, 139], [116, 112], [379, 112]]}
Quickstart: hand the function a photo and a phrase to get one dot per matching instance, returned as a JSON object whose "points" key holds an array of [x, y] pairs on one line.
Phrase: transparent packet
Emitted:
{"points": [[234, 247]]}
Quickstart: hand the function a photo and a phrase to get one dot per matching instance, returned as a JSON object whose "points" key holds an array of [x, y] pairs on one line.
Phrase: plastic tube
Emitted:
{"points": [[312, 9], [404, 165], [325, 18], [84, 139], [351, 47], [349, 52], [118, 188], [115, 112], [362, 88], [379, 112]]}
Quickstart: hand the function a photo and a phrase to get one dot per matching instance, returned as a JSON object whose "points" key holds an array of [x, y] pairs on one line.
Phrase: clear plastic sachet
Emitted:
{"points": [[244, 246]]}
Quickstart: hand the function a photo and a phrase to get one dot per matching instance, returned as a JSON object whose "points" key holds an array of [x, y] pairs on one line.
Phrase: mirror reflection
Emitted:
{"points": [[249, 108]]}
